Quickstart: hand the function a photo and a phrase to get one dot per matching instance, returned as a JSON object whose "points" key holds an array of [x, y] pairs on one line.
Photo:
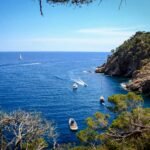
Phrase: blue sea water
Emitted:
{"points": [[42, 82]]}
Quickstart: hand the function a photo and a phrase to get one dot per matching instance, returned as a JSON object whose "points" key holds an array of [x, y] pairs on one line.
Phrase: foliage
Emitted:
{"points": [[71, 2], [88, 136], [68, 146], [131, 59], [124, 102], [96, 123], [112, 51], [137, 48], [24, 130], [130, 130]]}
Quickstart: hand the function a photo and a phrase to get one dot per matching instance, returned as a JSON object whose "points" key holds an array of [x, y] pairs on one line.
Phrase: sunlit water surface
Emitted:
{"points": [[42, 82]]}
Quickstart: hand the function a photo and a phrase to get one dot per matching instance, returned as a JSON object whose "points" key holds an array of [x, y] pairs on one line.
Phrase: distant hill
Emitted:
{"points": [[131, 59]]}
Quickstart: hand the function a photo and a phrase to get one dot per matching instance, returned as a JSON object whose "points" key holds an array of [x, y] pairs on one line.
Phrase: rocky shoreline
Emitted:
{"points": [[131, 59]]}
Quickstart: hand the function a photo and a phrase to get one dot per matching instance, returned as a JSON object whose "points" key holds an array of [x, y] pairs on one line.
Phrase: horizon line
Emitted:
{"points": [[57, 51]]}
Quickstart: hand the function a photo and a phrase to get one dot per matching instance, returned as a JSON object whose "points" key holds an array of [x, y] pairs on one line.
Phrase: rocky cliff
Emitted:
{"points": [[131, 59]]}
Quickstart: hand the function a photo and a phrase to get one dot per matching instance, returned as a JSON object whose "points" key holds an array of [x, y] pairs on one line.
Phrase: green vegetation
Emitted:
{"points": [[129, 131], [137, 48], [90, 135], [131, 59], [124, 102], [25, 131]]}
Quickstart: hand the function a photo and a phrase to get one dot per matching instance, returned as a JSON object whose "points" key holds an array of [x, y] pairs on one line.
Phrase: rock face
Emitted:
{"points": [[131, 59], [141, 80]]}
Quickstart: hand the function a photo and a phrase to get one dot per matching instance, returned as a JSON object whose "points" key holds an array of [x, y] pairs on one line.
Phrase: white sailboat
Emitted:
{"points": [[102, 100], [20, 57]]}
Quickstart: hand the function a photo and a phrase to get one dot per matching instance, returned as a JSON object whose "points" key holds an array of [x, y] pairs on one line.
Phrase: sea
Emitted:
{"points": [[42, 82]]}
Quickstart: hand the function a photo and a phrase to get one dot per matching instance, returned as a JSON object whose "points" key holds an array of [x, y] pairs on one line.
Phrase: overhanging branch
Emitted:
{"points": [[72, 2]]}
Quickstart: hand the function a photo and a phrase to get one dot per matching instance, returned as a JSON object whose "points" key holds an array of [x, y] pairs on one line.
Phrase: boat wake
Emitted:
{"points": [[89, 71], [123, 85], [85, 71], [79, 82], [58, 77], [31, 64], [103, 104], [7, 65]]}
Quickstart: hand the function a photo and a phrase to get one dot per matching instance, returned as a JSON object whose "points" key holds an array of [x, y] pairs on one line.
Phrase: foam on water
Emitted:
{"points": [[88, 71], [123, 85], [31, 64], [85, 71], [79, 82]]}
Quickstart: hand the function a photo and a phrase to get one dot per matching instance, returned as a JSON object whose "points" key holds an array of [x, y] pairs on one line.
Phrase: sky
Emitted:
{"points": [[95, 27]]}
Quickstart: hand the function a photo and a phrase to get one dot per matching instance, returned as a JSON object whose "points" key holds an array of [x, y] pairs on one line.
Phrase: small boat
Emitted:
{"points": [[85, 85], [20, 57], [75, 86], [73, 124], [102, 100]]}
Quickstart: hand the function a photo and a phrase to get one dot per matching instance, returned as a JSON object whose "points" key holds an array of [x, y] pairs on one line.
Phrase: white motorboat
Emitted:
{"points": [[102, 100], [73, 124], [75, 86]]}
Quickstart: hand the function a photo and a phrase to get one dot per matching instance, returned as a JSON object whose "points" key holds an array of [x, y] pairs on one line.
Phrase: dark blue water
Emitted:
{"points": [[42, 82]]}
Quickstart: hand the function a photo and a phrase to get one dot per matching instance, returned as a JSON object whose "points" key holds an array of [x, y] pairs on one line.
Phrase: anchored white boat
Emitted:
{"points": [[73, 124], [102, 100], [75, 86]]}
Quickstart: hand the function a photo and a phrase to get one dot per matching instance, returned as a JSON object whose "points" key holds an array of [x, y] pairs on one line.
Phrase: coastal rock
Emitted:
{"points": [[141, 80], [142, 86], [131, 59], [100, 69]]}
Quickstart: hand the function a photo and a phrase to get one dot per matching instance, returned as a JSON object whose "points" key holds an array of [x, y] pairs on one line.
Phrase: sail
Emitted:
{"points": [[20, 57]]}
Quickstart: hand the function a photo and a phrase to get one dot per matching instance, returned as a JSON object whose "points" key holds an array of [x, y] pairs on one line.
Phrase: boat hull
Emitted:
{"points": [[74, 126]]}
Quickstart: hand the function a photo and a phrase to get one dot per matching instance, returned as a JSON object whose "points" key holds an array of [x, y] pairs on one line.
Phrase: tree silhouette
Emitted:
{"points": [[71, 2]]}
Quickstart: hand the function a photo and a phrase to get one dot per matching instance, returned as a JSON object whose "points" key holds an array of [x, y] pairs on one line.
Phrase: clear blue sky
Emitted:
{"points": [[68, 28]]}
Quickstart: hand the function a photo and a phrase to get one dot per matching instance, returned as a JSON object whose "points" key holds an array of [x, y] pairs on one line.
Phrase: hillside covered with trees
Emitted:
{"points": [[131, 59]]}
